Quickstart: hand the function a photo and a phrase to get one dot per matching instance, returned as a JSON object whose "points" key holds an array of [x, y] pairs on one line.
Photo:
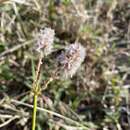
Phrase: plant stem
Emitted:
{"points": [[34, 112], [38, 69], [36, 90]]}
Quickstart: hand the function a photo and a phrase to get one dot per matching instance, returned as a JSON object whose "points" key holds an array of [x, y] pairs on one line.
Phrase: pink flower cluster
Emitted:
{"points": [[72, 58]]}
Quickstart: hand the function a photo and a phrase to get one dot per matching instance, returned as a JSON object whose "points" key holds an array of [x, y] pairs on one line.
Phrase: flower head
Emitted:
{"points": [[45, 41], [72, 58]]}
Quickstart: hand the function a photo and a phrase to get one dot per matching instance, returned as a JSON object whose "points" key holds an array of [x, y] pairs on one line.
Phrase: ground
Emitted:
{"points": [[97, 96]]}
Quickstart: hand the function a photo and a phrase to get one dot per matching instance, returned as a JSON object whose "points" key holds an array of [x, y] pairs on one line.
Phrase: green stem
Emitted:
{"points": [[36, 90], [34, 112]]}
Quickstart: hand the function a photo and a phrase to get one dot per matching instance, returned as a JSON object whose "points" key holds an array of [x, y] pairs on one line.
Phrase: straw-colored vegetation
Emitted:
{"points": [[95, 95]]}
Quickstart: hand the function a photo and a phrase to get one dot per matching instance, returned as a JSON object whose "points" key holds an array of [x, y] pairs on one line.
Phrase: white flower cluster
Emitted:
{"points": [[45, 41], [72, 58]]}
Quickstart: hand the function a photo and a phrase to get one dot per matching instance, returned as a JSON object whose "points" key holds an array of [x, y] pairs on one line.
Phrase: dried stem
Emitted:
{"points": [[38, 69]]}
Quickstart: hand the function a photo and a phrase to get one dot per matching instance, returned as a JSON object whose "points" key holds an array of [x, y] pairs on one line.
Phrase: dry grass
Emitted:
{"points": [[97, 97]]}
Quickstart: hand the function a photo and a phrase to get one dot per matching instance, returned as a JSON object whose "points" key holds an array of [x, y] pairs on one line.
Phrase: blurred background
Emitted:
{"points": [[97, 97]]}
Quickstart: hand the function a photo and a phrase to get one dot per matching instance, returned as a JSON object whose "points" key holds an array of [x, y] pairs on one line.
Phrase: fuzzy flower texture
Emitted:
{"points": [[72, 58], [45, 41]]}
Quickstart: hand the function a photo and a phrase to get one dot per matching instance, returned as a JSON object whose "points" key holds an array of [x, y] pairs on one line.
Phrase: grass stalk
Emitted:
{"points": [[34, 112], [36, 91]]}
